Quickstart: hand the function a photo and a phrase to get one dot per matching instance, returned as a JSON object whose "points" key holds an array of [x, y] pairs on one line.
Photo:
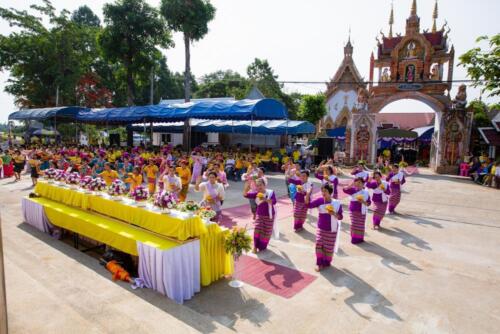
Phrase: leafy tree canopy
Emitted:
{"points": [[190, 17], [483, 65], [312, 108], [223, 84], [86, 17]]}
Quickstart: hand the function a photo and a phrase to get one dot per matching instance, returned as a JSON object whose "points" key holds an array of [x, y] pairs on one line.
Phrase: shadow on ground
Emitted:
{"points": [[362, 293]]}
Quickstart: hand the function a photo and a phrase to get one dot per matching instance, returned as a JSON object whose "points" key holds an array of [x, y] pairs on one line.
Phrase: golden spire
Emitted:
{"points": [[434, 17], [391, 20], [414, 8]]}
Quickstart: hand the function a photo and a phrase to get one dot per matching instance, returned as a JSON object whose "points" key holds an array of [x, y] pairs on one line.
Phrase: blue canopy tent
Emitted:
{"points": [[66, 114], [281, 127], [41, 114], [264, 109], [337, 133], [424, 133], [250, 110]]}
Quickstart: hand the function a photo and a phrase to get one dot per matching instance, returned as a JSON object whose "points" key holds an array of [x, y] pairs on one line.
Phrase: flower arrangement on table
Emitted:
{"points": [[117, 188], [140, 193], [73, 178], [165, 200], [188, 206], [50, 173], [206, 213], [97, 184], [85, 181], [60, 175]]}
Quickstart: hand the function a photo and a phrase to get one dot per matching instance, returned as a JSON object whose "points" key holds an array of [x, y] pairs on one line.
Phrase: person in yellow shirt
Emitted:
{"points": [[151, 170], [184, 173], [296, 156], [109, 175], [134, 178]]}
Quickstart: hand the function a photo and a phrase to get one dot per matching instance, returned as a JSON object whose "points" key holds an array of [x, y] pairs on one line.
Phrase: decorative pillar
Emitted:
{"points": [[372, 64]]}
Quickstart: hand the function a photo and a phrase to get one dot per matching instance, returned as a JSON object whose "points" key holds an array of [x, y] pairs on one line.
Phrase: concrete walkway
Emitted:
{"points": [[432, 269]]}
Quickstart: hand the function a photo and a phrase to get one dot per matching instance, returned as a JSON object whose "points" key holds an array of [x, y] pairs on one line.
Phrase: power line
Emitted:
{"points": [[376, 82]]}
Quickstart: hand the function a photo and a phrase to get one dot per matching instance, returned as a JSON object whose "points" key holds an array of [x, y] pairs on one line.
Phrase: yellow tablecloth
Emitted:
{"points": [[215, 263], [116, 234], [167, 225]]}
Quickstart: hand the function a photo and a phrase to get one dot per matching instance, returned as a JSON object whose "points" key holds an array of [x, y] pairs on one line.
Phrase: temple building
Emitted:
{"points": [[417, 65]]}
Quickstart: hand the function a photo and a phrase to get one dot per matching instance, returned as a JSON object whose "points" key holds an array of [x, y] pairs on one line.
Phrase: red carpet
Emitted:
{"points": [[271, 277]]}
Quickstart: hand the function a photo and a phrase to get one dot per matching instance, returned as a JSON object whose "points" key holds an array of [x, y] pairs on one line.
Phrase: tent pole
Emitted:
{"points": [[55, 124], [144, 132], [151, 133], [286, 133], [251, 134], [232, 133]]}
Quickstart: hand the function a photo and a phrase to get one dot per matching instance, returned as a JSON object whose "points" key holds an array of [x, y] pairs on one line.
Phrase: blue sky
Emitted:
{"points": [[303, 40]]}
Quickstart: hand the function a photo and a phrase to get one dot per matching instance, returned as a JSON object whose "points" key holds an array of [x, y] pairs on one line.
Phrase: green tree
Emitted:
{"points": [[86, 17], [45, 61], [312, 108], [223, 84], [483, 65], [190, 17], [480, 113], [261, 74], [134, 31]]}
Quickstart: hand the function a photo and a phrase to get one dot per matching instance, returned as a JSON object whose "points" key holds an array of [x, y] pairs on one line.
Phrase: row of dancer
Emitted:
{"points": [[385, 194]]}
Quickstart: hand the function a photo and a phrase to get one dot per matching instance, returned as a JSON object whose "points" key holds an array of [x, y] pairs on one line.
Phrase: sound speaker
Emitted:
{"points": [[325, 147], [114, 139]]}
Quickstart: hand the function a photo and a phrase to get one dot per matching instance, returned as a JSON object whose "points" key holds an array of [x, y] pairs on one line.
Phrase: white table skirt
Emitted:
{"points": [[34, 215], [174, 272]]}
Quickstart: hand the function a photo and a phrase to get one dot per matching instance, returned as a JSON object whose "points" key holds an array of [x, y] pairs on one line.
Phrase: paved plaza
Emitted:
{"points": [[434, 268]]}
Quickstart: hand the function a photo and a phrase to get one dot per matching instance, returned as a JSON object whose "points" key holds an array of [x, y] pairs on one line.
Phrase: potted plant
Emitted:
{"points": [[140, 194], [237, 242], [165, 200], [97, 185], [116, 189]]}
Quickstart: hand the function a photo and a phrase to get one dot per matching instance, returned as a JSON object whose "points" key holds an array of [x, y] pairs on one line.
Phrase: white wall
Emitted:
{"points": [[336, 102], [175, 138], [257, 140]]}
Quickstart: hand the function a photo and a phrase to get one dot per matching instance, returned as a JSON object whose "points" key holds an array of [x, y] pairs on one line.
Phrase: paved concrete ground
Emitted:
{"points": [[433, 269]]}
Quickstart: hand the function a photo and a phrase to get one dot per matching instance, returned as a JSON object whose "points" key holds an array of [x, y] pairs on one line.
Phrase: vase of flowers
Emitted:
{"points": [[50, 174], [188, 207], [73, 179], [97, 185], [116, 189], [139, 194], [165, 200], [85, 181], [237, 242], [60, 176], [206, 213]]}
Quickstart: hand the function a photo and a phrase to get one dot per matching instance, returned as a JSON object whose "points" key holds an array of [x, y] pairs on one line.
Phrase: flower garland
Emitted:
{"points": [[238, 241], [165, 200], [97, 184], [116, 188], [140, 193]]}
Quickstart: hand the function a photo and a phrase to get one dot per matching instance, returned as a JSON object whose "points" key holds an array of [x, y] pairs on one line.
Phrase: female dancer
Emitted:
{"points": [[265, 199], [171, 182], [380, 195], [328, 231], [213, 193], [359, 201], [360, 172], [396, 179], [197, 166], [304, 188], [326, 174], [250, 177]]}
